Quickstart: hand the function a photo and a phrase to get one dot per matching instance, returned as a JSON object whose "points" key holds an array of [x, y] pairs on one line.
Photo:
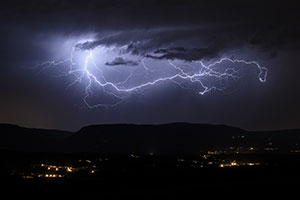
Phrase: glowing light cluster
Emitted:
{"points": [[206, 77]]}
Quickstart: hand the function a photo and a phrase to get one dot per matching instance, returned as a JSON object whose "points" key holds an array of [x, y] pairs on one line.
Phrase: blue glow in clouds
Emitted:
{"points": [[111, 74]]}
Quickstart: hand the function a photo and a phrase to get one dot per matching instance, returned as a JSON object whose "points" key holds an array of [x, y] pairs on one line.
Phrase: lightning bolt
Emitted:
{"points": [[119, 90]]}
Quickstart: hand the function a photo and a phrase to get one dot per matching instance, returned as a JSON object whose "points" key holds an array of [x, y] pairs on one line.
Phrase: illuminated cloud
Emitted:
{"points": [[153, 34]]}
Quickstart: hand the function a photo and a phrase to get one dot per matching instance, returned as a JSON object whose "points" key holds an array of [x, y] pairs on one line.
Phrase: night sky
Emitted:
{"points": [[123, 34]]}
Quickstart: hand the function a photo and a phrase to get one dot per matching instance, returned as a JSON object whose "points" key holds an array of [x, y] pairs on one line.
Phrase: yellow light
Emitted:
{"points": [[222, 165], [49, 168], [92, 171], [46, 175], [69, 169], [56, 169]]}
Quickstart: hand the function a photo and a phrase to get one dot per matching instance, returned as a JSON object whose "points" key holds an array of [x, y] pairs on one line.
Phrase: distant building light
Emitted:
{"points": [[214, 152], [69, 169], [295, 151], [271, 149], [28, 177]]}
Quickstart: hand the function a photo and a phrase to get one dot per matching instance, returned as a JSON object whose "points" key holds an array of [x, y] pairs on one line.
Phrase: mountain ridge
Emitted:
{"points": [[115, 138]]}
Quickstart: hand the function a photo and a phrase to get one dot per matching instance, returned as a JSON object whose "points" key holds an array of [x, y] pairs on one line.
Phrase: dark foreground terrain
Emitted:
{"points": [[148, 176], [172, 161]]}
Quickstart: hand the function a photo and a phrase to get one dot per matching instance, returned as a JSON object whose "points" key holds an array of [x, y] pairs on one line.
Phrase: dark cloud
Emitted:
{"points": [[121, 61], [184, 54], [209, 24], [87, 45]]}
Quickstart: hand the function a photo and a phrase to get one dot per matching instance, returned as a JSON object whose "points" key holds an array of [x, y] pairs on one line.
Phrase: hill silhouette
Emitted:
{"points": [[174, 138]]}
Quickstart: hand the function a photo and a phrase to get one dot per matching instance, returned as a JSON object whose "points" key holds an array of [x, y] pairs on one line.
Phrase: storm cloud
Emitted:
{"points": [[121, 61], [266, 31], [212, 27]]}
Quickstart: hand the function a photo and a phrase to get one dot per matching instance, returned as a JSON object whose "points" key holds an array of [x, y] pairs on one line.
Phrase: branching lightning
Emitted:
{"points": [[202, 80]]}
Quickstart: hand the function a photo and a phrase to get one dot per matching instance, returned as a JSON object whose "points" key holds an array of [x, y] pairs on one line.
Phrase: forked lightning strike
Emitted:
{"points": [[120, 91]]}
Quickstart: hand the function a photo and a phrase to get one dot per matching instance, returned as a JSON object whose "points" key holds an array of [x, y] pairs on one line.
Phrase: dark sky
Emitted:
{"points": [[266, 31]]}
